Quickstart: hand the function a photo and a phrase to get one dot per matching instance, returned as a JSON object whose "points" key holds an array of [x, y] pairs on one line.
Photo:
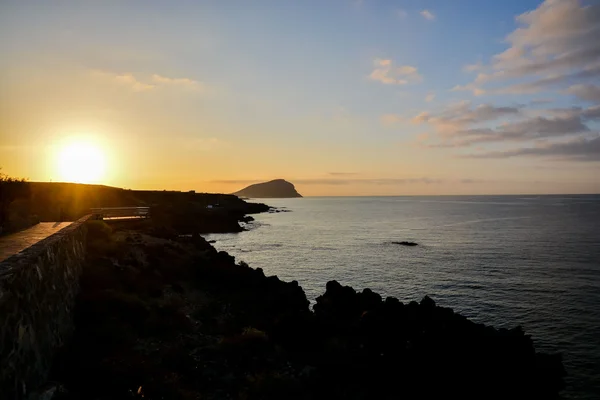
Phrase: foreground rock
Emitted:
{"points": [[173, 318], [419, 350]]}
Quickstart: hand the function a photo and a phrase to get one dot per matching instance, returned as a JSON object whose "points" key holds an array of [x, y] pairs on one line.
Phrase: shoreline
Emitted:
{"points": [[165, 316]]}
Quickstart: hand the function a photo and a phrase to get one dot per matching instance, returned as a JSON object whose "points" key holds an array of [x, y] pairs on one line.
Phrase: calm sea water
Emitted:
{"points": [[501, 260]]}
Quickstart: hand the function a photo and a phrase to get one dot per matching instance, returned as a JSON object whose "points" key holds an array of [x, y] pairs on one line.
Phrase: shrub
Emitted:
{"points": [[100, 240], [17, 218], [98, 230]]}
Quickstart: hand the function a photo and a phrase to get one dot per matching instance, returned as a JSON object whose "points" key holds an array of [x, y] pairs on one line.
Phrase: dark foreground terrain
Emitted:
{"points": [[23, 204], [166, 316]]}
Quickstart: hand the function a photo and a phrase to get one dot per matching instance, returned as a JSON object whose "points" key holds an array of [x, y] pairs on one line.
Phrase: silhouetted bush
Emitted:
{"points": [[17, 216], [98, 230]]}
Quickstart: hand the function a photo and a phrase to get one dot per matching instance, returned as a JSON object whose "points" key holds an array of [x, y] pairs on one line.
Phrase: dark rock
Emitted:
{"points": [[427, 302], [369, 299], [333, 286], [375, 341], [404, 243], [177, 288]]}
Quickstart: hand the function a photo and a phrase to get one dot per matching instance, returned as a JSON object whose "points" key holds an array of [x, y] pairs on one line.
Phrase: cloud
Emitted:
{"points": [[577, 149], [471, 87], [542, 101], [427, 15], [554, 45], [371, 181], [475, 181], [386, 73], [558, 34], [465, 126], [589, 93], [460, 115], [130, 80], [430, 97], [138, 85], [124, 79], [401, 13], [343, 173], [555, 48], [183, 82], [590, 72]]}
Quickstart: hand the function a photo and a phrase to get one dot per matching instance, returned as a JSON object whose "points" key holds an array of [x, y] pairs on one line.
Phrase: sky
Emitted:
{"points": [[340, 97]]}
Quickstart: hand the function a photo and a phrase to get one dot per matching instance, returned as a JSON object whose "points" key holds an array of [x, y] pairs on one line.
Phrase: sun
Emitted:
{"points": [[81, 162]]}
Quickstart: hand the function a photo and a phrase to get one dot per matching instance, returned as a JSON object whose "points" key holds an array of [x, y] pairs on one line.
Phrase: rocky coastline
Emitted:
{"points": [[163, 315]]}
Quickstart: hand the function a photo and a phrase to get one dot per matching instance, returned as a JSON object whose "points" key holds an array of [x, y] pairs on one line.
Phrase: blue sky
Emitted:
{"points": [[401, 97]]}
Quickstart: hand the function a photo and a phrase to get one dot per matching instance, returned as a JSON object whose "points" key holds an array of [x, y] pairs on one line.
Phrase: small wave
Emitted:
{"points": [[477, 221]]}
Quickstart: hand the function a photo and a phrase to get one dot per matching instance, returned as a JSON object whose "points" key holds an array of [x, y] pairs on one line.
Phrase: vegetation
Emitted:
{"points": [[14, 204], [156, 319]]}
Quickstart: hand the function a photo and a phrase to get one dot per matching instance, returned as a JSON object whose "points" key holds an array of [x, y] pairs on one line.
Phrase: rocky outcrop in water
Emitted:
{"points": [[404, 243], [420, 350]]}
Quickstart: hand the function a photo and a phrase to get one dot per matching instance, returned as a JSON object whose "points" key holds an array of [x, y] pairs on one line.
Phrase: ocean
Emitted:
{"points": [[532, 261]]}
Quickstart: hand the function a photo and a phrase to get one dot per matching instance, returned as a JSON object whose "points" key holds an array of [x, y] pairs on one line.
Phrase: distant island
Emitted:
{"points": [[278, 188]]}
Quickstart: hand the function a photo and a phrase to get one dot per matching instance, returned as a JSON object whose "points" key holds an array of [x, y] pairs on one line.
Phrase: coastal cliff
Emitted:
{"points": [[277, 188], [162, 315]]}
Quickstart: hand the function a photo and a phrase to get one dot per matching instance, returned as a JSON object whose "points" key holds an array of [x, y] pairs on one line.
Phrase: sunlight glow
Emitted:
{"points": [[81, 162]]}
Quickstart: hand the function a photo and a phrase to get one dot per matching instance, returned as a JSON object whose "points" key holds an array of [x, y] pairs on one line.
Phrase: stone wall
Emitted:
{"points": [[37, 293]]}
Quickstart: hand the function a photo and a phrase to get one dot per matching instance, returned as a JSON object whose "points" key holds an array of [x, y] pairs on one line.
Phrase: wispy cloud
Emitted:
{"points": [[430, 97], [401, 13], [470, 87], [343, 173], [548, 82], [386, 73], [182, 82], [554, 45], [578, 149], [589, 93], [555, 48], [124, 79], [542, 101], [141, 85], [458, 116], [369, 181], [464, 126], [427, 15]]}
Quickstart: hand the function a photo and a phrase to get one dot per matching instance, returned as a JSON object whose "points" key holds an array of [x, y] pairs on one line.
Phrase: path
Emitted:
{"points": [[17, 242]]}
